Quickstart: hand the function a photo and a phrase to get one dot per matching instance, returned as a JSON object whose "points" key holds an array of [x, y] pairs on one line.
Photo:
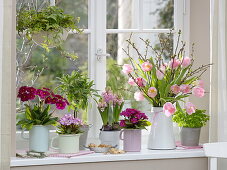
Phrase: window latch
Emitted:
{"points": [[100, 54]]}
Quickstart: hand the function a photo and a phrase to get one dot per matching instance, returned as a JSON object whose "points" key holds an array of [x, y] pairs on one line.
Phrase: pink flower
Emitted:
{"points": [[169, 109], [122, 123], [146, 66], [163, 67], [175, 89], [140, 82], [159, 74], [131, 82], [199, 83], [174, 63], [127, 68], [152, 92], [60, 105], [186, 62], [198, 91], [185, 88], [190, 108], [138, 96]]}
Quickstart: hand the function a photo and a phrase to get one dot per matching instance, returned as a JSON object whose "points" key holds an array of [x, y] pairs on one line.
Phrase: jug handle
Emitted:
{"points": [[121, 135], [51, 143]]}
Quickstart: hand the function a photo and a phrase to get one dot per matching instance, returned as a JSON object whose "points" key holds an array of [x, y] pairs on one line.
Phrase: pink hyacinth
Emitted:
{"points": [[199, 83], [140, 82], [169, 109], [185, 88], [152, 92], [131, 82], [163, 67], [138, 96], [190, 108], [186, 62], [159, 74], [174, 63], [127, 68], [198, 91], [175, 89], [146, 66]]}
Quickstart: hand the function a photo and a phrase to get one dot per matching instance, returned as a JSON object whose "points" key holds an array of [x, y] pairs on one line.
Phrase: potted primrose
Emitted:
{"points": [[110, 106], [37, 116], [190, 120], [78, 90], [48, 27], [134, 121], [69, 134]]}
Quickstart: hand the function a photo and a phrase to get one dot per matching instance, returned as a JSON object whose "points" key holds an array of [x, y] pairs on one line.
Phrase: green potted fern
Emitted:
{"points": [[191, 124]]}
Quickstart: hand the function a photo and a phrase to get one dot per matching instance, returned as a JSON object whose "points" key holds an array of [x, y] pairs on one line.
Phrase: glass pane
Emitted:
{"points": [[158, 14], [77, 8], [122, 14], [119, 81]]}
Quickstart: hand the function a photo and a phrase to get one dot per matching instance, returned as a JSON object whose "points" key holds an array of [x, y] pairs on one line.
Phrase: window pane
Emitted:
{"points": [[158, 14], [77, 8], [122, 14], [115, 78]]}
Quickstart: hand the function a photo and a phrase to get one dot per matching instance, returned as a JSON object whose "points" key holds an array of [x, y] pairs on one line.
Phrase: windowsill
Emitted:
{"points": [[99, 157]]}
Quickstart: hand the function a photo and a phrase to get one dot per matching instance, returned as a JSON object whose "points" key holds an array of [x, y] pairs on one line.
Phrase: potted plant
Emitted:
{"points": [[190, 123], [69, 134], [163, 80], [110, 106], [37, 116], [134, 121], [78, 90], [47, 27]]}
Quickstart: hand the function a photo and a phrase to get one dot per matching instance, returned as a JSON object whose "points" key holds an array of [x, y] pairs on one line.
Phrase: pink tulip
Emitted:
{"points": [[175, 89], [146, 66], [159, 74], [152, 92], [138, 96], [163, 67], [174, 63], [185, 88], [198, 91], [190, 108], [186, 62], [140, 82], [127, 68], [131, 82], [169, 109]]}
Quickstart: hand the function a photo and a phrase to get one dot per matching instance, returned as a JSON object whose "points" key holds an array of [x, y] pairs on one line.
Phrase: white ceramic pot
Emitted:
{"points": [[110, 138], [38, 138], [161, 134], [67, 143]]}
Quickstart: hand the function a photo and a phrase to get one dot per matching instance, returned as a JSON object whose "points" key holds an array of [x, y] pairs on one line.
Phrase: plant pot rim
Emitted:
{"points": [[191, 128], [69, 135], [110, 130], [132, 129], [41, 125]]}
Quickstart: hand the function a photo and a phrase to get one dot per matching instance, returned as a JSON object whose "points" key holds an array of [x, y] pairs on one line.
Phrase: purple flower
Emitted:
{"points": [[108, 96], [122, 123], [26, 93], [68, 120], [134, 120], [60, 104]]}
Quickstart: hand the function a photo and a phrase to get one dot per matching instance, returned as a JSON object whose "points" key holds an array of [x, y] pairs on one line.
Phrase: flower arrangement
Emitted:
{"points": [[110, 106], [69, 125], [134, 119], [164, 81], [191, 118], [38, 111]]}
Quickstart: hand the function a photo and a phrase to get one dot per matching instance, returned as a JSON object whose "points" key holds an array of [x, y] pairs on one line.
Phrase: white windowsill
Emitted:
{"points": [[98, 157]]}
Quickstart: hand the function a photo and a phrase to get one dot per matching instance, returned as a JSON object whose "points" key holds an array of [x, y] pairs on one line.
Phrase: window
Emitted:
{"points": [[107, 24]]}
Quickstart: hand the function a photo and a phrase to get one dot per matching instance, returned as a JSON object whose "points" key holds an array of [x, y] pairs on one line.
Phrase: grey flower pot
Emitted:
{"points": [[190, 136], [83, 137]]}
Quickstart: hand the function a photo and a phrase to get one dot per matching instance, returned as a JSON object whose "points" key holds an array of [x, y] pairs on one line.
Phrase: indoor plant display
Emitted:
{"points": [[78, 90], [69, 134], [190, 120], [37, 116], [47, 27], [163, 80], [110, 106], [134, 121]]}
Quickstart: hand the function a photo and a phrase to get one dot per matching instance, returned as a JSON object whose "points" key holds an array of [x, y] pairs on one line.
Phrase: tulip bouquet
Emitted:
{"points": [[38, 105], [164, 80], [110, 106]]}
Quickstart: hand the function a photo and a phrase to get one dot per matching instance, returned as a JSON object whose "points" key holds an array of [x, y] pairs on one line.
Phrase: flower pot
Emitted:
{"points": [[38, 138], [110, 138], [161, 134], [83, 137], [190, 136], [131, 140], [67, 143], [40, 38]]}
